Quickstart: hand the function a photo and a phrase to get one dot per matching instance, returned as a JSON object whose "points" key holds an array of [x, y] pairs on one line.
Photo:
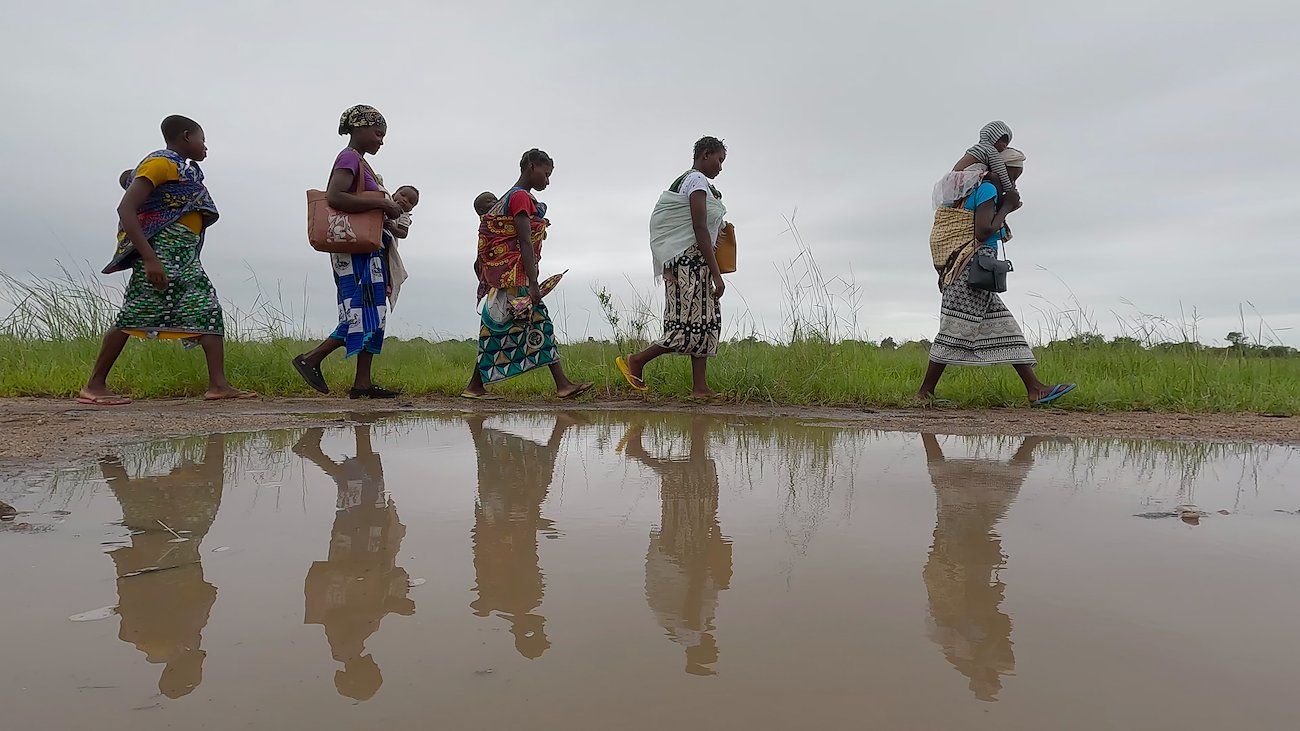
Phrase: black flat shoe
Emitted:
{"points": [[373, 392], [311, 375]]}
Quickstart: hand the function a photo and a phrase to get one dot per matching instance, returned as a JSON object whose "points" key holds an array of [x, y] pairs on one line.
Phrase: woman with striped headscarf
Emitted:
{"points": [[975, 327], [361, 279]]}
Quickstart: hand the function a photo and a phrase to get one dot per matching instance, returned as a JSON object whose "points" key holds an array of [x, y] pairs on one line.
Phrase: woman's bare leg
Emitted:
{"points": [[700, 378], [932, 375], [109, 352]]}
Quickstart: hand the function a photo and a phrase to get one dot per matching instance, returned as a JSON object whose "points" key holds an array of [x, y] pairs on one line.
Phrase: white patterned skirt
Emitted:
{"points": [[692, 318], [975, 328]]}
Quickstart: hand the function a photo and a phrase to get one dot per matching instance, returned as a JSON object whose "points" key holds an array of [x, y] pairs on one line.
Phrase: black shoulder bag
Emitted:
{"points": [[989, 273]]}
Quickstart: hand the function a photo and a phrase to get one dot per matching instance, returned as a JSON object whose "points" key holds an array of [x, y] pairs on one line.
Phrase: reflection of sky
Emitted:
{"points": [[1155, 135]]}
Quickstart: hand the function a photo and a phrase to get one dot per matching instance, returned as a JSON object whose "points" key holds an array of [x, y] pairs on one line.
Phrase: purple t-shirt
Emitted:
{"points": [[350, 159]]}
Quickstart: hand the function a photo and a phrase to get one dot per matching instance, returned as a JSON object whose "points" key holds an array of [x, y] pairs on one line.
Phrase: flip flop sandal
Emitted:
{"points": [[637, 384], [1057, 391], [241, 396], [481, 396], [578, 392]]}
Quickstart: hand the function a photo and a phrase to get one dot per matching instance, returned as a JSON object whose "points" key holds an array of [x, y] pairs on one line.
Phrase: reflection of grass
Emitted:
{"points": [[1183, 464], [257, 458], [814, 467]]}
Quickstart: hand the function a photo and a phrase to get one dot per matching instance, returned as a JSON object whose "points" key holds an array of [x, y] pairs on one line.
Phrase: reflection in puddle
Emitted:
{"points": [[962, 576], [360, 583], [162, 596], [811, 589], [689, 560], [514, 475]]}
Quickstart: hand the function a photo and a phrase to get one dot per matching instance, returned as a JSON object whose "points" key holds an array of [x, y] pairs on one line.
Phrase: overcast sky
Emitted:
{"points": [[1160, 138]]}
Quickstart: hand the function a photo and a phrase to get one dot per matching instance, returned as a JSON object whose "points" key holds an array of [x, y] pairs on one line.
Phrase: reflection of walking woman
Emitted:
{"points": [[361, 279], [514, 476], [962, 574], [351, 591], [689, 560], [163, 598]]}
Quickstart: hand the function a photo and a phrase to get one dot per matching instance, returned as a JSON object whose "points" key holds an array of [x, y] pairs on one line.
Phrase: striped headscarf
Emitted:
{"points": [[362, 115], [987, 152]]}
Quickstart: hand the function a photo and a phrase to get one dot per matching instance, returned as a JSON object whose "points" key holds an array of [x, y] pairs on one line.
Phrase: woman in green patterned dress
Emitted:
{"points": [[164, 213]]}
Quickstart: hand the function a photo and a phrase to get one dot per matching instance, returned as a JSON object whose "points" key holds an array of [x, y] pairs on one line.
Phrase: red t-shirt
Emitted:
{"points": [[521, 202]]}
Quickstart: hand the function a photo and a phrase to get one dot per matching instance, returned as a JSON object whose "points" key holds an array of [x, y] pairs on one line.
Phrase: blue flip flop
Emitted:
{"points": [[1057, 391]]}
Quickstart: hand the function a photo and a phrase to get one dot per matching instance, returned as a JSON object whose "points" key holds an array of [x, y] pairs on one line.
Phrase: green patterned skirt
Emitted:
{"points": [[188, 308], [511, 348]]}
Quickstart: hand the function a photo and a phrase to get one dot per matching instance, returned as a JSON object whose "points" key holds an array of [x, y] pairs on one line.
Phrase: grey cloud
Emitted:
{"points": [[1158, 134]]}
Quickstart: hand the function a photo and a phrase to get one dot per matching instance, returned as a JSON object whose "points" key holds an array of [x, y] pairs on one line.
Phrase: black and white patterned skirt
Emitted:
{"points": [[692, 317], [975, 328]]}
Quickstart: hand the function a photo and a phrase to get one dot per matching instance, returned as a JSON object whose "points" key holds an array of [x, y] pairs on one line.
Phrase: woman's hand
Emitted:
{"points": [[154, 272], [390, 208], [1011, 200], [535, 293], [719, 286]]}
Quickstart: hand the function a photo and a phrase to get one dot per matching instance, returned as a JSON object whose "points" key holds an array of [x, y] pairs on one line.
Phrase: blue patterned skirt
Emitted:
{"points": [[362, 283]]}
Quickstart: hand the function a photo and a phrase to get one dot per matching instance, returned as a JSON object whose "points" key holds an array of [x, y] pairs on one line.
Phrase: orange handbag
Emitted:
{"points": [[725, 250], [337, 232]]}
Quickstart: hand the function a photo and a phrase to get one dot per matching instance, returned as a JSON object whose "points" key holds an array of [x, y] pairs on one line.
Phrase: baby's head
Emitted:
{"points": [[124, 179], [407, 197], [484, 202]]}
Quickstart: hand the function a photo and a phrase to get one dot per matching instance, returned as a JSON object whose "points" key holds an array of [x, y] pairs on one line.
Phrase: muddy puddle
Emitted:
{"points": [[630, 571]]}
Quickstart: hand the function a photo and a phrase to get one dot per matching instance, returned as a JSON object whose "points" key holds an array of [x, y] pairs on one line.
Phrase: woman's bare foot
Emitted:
{"points": [[101, 396], [224, 393], [636, 368], [573, 390]]}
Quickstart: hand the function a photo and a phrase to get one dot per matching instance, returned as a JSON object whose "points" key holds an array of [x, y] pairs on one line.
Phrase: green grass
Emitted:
{"points": [[50, 330], [1112, 377]]}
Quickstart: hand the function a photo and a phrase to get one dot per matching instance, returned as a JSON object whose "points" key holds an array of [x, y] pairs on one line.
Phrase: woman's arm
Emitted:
{"points": [[989, 219], [700, 224], [338, 194], [128, 214], [524, 237]]}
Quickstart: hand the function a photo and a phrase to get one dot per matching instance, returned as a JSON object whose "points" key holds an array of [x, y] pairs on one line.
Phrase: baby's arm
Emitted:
{"points": [[400, 226], [403, 227]]}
